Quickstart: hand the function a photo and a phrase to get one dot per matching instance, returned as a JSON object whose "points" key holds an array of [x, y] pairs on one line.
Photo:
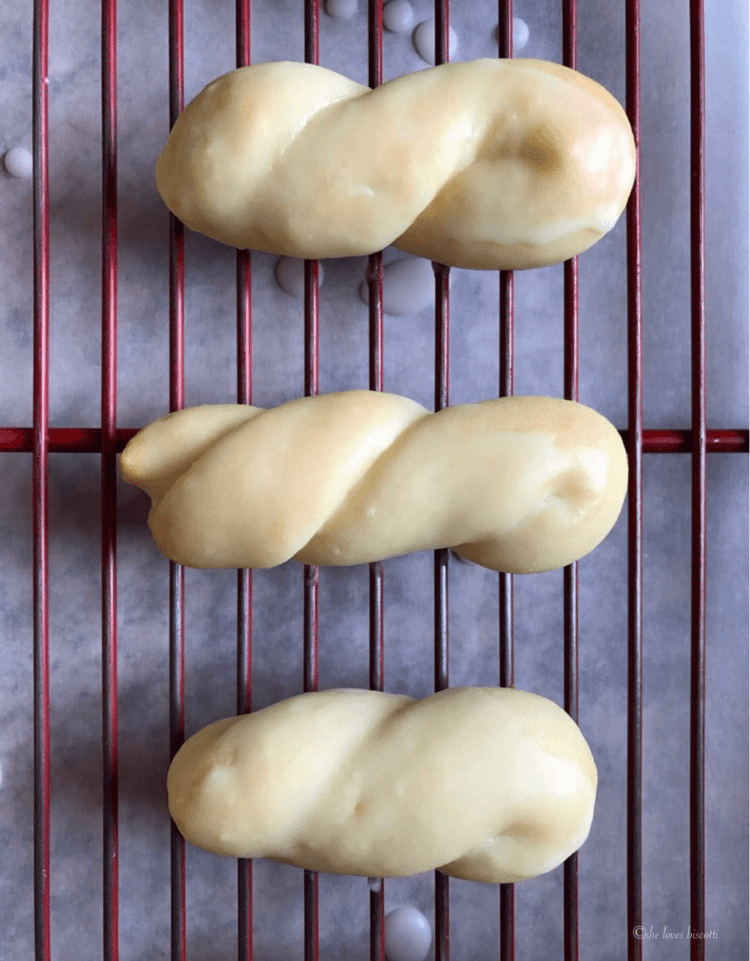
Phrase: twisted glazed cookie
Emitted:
{"points": [[487, 784], [520, 484], [489, 164]]}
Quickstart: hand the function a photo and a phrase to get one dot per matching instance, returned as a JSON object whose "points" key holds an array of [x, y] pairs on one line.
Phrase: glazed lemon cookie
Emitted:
{"points": [[519, 484], [488, 164], [487, 784]]}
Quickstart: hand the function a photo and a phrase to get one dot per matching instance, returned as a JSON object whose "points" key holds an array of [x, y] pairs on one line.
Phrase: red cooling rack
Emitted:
{"points": [[108, 441]]}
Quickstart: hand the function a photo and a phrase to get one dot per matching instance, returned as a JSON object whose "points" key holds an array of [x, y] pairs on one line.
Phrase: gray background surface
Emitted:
{"points": [[278, 375]]}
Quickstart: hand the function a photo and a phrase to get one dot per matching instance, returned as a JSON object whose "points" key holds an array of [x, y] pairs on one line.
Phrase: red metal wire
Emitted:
{"points": [[312, 31], [505, 29], [88, 440], [110, 853], [311, 575], [244, 577], [442, 356], [374, 42], [242, 33], [376, 365], [505, 389], [570, 573], [634, 443], [311, 581], [442, 383], [442, 31], [377, 669], [40, 491], [505, 581], [176, 571], [244, 706], [176, 740], [698, 539]]}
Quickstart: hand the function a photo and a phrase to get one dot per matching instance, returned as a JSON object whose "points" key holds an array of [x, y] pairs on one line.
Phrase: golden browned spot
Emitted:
{"points": [[541, 151]]}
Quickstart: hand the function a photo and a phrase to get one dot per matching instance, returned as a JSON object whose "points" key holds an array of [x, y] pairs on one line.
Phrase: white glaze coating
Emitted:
{"points": [[493, 164], [487, 784], [517, 484]]}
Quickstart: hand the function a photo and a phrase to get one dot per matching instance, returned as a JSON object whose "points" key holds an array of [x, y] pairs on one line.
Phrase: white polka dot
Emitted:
{"points": [[408, 287], [407, 935], [290, 276], [18, 162], [398, 16], [341, 9], [520, 35], [424, 41]]}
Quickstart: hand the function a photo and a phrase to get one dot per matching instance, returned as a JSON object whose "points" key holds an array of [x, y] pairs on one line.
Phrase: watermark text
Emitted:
{"points": [[650, 933]]}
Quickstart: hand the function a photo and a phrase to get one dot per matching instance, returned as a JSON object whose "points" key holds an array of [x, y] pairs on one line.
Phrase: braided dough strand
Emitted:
{"points": [[487, 784], [518, 484], [489, 164]]}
